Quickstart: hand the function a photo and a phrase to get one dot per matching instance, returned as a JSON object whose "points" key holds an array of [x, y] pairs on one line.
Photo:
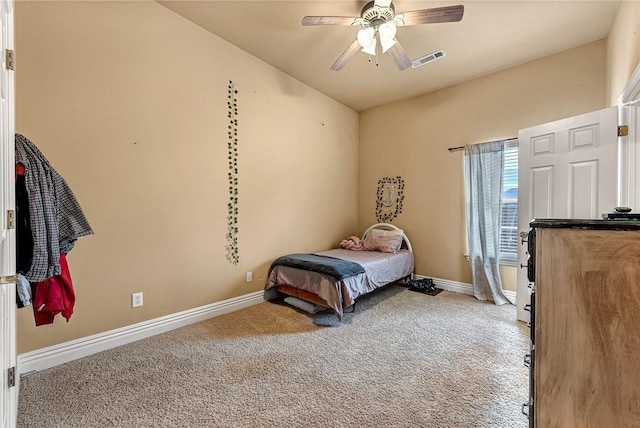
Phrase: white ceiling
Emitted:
{"points": [[493, 35]]}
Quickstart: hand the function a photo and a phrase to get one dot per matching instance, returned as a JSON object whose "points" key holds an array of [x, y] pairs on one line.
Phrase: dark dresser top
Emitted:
{"points": [[570, 223]]}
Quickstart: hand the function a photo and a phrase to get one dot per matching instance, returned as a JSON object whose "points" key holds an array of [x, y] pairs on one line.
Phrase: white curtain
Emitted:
{"points": [[483, 188]]}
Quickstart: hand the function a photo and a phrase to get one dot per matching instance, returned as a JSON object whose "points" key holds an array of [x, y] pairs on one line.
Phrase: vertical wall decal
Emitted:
{"points": [[389, 198], [232, 146]]}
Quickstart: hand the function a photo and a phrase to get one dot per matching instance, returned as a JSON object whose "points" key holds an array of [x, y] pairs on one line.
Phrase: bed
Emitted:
{"points": [[335, 278]]}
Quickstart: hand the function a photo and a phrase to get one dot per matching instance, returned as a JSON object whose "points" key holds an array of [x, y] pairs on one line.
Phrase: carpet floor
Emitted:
{"points": [[403, 359]]}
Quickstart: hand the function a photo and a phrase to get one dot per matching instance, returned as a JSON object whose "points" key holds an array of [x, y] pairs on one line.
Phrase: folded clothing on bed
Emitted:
{"points": [[337, 268]]}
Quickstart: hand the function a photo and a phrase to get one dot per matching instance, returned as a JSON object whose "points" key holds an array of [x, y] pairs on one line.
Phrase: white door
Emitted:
{"points": [[8, 396], [567, 169]]}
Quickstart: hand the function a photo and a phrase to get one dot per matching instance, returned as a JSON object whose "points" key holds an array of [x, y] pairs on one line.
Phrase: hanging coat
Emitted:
{"points": [[57, 220]]}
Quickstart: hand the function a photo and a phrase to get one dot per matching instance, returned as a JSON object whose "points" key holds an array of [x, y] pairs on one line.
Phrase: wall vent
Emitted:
{"points": [[427, 58]]}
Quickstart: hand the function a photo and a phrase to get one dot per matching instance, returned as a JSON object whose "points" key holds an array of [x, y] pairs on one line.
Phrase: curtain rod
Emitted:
{"points": [[455, 149]]}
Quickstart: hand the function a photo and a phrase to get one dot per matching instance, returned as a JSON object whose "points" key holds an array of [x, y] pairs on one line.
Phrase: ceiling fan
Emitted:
{"points": [[379, 21]]}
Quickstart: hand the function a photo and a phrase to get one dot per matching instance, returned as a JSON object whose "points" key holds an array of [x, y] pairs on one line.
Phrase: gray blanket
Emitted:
{"points": [[337, 268]]}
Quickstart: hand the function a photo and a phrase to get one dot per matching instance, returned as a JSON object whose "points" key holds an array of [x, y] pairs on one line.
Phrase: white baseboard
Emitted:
{"points": [[51, 356], [463, 288]]}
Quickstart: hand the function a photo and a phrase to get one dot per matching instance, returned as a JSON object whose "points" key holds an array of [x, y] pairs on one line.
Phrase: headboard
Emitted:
{"points": [[388, 226]]}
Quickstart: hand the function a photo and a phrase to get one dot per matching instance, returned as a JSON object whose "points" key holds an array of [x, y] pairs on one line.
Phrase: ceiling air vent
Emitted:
{"points": [[427, 58]]}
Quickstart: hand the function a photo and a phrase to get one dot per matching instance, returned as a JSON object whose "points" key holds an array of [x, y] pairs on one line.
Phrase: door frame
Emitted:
{"points": [[628, 153], [8, 360]]}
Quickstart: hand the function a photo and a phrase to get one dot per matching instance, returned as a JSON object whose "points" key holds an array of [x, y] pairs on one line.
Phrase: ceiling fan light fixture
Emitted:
{"points": [[387, 31], [378, 24], [370, 49], [367, 39], [366, 36], [386, 44]]}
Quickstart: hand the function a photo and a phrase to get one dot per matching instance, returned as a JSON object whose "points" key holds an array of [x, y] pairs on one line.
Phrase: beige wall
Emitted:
{"points": [[128, 101], [623, 49], [410, 139]]}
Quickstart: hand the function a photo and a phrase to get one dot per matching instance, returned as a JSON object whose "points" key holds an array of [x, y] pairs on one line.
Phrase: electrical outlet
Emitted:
{"points": [[136, 300], [249, 276]]}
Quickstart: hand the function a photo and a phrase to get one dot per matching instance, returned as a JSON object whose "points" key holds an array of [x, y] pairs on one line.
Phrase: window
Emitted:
{"points": [[509, 214]]}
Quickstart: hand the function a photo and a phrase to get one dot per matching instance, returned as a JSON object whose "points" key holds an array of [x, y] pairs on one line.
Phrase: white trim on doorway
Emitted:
{"points": [[631, 92], [628, 153]]}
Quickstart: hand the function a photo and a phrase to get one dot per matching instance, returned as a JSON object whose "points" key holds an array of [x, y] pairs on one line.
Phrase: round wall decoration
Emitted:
{"points": [[389, 198]]}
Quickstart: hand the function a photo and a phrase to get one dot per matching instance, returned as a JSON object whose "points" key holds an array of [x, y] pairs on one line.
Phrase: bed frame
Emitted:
{"points": [[317, 300]]}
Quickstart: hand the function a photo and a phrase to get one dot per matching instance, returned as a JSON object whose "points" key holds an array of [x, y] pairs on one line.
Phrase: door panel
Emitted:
{"points": [[567, 169], [542, 145], [541, 191], [583, 189]]}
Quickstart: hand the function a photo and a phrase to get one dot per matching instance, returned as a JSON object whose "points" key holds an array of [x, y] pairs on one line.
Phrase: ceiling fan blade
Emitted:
{"points": [[329, 20], [346, 55], [400, 56], [430, 16], [382, 3]]}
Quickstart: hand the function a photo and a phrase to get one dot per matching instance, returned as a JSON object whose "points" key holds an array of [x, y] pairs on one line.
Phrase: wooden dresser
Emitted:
{"points": [[585, 327]]}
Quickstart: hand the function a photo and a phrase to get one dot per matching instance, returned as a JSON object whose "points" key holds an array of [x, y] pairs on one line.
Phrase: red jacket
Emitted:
{"points": [[54, 296]]}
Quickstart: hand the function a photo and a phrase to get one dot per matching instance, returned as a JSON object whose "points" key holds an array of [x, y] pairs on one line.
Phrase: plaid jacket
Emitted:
{"points": [[57, 220]]}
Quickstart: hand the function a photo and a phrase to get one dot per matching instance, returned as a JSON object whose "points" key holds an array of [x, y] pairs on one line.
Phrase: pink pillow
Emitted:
{"points": [[385, 241]]}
